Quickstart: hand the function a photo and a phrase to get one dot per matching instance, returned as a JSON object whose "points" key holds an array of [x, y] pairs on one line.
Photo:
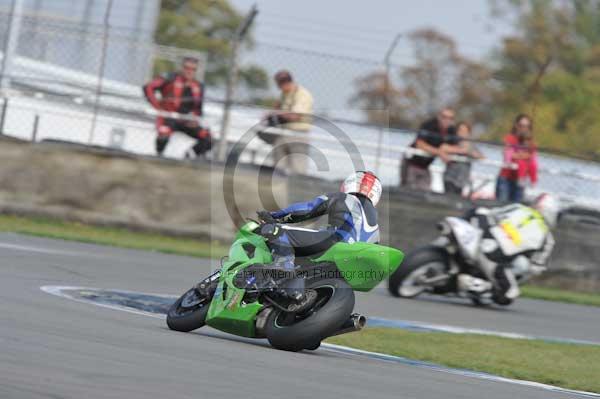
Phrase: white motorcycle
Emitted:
{"points": [[453, 265]]}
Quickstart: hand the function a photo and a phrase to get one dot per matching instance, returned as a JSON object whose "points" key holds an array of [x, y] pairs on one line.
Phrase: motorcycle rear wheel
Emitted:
{"points": [[295, 332], [188, 312]]}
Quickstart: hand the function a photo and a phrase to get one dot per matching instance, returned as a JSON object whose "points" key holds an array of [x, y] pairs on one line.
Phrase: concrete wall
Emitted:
{"points": [[105, 187], [112, 188]]}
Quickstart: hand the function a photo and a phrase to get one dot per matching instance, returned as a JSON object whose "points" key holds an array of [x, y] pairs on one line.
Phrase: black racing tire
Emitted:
{"points": [[314, 346], [414, 261], [307, 332], [184, 319]]}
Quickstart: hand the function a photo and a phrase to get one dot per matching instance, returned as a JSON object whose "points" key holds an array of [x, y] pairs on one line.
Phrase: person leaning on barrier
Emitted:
{"points": [[458, 173], [520, 161], [433, 133], [180, 93], [294, 110]]}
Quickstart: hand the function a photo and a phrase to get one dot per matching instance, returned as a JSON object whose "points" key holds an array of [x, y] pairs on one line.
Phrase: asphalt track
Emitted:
{"points": [[55, 348]]}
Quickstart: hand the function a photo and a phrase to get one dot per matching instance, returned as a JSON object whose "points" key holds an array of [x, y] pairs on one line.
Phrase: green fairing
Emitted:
{"points": [[226, 312], [362, 265]]}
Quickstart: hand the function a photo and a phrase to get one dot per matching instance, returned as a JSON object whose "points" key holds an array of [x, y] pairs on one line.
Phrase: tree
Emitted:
{"points": [[440, 76], [432, 78], [383, 103], [475, 91], [550, 67], [208, 26]]}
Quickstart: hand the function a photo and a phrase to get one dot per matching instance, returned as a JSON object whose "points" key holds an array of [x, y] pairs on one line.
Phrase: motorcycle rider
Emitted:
{"points": [[352, 217], [516, 238]]}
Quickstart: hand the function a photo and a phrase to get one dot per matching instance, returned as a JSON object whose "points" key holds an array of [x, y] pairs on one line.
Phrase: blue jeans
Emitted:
{"points": [[508, 190]]}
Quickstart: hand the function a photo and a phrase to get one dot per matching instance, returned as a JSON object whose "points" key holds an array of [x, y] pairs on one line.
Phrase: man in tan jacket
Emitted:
{"points": [[294, 114]]}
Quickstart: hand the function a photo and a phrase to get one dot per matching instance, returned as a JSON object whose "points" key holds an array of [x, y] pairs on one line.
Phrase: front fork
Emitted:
{"points": [[444, 243], [208, 286]]}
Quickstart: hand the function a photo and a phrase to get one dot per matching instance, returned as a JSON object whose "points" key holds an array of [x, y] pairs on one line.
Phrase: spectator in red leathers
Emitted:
{"points": [[520, 161], [180, 92]]}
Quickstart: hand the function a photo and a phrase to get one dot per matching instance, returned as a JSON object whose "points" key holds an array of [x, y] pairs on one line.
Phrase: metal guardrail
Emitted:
{"points": [[458, 158], [138, 107], [150, 112], [134, 105]]}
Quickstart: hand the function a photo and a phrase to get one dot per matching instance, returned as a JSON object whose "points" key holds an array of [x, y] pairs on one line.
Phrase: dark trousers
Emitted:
{"points": [[452, 189], [305, 242], [509, 190], [167, 126], [288, 243], [414, 176]]}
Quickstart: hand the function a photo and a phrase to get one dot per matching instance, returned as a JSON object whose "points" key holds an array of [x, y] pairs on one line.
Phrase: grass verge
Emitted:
{"points": [[110, 236], [184, 246], [565, 365], [557, 295]]}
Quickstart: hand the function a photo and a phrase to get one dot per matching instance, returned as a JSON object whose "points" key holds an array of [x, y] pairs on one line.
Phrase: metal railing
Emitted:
{"points": [[133, 122]]}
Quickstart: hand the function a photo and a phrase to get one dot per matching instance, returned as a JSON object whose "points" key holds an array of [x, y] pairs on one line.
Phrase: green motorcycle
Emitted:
{"points": [[245, 297]]}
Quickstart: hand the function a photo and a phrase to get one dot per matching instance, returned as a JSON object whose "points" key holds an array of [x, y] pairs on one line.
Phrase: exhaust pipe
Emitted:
{"points": [[356, 322]]}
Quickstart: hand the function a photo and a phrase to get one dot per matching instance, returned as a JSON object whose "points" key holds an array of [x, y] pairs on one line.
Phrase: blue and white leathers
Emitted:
{"points": [[352, 218]]}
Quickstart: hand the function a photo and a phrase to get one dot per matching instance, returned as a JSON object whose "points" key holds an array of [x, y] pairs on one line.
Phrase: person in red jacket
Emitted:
{"points": [[180, 92], [520, 161]]}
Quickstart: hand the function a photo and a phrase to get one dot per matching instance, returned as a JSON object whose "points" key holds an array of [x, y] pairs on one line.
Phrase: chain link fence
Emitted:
{"points": [[332, 79], [58, 84]]}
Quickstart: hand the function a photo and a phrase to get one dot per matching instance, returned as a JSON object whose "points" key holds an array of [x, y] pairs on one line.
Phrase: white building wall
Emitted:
{"points": [[70, 33]]}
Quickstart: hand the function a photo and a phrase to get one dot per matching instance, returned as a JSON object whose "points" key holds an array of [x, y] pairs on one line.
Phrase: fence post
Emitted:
{"points": [[11, 42], [101, 72], [232, 79], [386, 98], [3, 117], [36, 123]]}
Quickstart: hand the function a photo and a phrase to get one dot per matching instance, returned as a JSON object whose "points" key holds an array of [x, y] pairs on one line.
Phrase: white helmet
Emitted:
{"points": [[365, 183], [549, 207]]}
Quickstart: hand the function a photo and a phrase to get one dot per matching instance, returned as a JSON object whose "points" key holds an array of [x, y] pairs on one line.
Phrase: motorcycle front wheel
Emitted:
{"points": [[295, 332], [188, 312], [424, 263]]}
